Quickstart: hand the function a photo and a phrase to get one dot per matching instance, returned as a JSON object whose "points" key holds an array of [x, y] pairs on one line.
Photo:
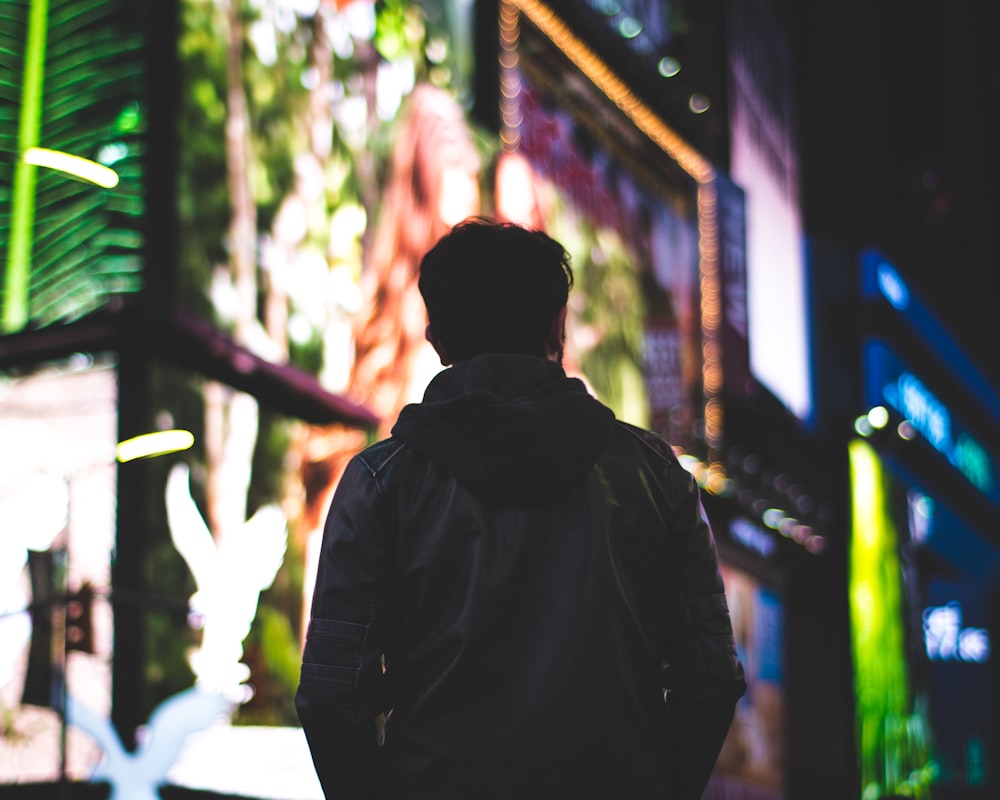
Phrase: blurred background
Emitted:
{"points": [[781, 220], [896, 97]]}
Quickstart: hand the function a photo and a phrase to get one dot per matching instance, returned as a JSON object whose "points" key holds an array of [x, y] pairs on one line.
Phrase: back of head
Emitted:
{"points": [[493, 287]]}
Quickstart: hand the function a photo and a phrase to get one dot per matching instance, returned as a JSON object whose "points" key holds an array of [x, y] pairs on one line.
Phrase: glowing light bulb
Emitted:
{"points": [[772, 517], [629, 28], [699, 103], [878, 417], [668, 67]]}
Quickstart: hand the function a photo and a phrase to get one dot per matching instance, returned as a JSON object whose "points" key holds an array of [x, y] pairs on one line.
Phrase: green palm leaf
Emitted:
{"points": [[71, 80]]}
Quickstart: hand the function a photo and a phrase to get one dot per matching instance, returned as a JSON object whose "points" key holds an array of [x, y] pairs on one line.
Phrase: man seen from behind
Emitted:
{"points": [[525, 589]]}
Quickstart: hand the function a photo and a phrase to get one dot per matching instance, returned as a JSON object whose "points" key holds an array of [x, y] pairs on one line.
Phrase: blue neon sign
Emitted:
{"points": [[890, 382], [880, 279], [946, 639]]}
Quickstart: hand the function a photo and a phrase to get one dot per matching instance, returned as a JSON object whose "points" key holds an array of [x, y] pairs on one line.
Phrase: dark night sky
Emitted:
{"points": [[899, 147]]}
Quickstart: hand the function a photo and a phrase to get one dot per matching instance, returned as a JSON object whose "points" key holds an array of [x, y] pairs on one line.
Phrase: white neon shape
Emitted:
{"points": [[941, 628], [77, 166], [229, 579], [946, 639], [137, 775], [974, 645]]}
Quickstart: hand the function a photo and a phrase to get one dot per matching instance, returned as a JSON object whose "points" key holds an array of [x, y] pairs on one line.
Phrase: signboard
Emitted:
{"points": [[880, 280], [634, 333], [889, 381], [734, 328], [962, 674], [765, 165]]}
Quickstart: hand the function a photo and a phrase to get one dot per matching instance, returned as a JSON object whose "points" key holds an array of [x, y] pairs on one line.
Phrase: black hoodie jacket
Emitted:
{"points": [[529, 590]]}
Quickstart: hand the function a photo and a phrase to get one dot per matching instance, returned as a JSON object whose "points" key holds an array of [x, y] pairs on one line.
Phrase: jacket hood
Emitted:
{"points": [[513, 430]]}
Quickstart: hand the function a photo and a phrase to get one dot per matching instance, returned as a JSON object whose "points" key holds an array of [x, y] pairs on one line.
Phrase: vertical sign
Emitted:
{"points": [[765, 165], [733, 332]]}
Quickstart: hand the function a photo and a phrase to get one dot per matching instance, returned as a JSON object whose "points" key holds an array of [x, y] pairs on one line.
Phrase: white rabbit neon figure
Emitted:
{"points": [[229, 579]]}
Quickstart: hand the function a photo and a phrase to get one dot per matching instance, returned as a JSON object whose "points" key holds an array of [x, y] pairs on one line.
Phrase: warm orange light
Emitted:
{"points": [[711, 314], [690, 160]]}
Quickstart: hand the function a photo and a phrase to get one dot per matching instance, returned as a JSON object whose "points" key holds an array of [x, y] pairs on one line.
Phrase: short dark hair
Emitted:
{"points": [[494, 287]]}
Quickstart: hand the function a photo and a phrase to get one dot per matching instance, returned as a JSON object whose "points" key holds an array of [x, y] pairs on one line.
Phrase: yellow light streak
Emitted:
{"points": [[77, 166], [153, 444]]}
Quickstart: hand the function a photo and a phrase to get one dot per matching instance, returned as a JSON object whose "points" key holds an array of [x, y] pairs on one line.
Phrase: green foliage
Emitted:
{"points": [[274, 653], [614, 313], [169, 636], [84, 242], [293, 75], [203, 197], [398, 28], [270, 459]]}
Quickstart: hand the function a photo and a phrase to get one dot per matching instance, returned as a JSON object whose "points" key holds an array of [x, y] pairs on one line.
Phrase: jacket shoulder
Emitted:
{"points": [[377, 456], [650, 441]]}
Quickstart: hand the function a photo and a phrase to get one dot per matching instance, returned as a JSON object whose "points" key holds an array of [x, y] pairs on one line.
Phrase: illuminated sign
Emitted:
{"points": [[765, 164], [889, 381], [881, 280], [752, 536], [946, 640]]}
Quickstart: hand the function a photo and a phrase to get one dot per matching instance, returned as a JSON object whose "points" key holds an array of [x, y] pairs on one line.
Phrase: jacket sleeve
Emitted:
{"points": [[341, 687], [703, 677]]}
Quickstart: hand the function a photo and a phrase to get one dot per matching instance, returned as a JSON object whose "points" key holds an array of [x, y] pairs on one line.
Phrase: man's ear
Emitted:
{"points": [[557, 336], [438, 347]]}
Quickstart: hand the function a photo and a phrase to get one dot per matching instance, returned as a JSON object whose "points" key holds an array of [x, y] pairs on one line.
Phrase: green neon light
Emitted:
{"points": [[18, 272], [892, 729]]}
